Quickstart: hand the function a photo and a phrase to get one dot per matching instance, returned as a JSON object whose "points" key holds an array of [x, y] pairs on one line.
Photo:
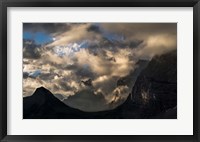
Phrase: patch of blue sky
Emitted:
{"points": [[113, 37], [38, 37], [27, 35], [35, 73], [84, 44]]}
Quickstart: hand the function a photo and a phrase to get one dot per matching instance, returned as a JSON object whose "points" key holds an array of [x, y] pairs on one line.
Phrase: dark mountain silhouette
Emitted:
{"points": [[43, 104], [154, 95], [155, 90]]}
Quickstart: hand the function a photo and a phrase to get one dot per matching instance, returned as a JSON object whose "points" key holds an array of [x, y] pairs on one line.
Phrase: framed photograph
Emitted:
{"points": [[99, 71]]}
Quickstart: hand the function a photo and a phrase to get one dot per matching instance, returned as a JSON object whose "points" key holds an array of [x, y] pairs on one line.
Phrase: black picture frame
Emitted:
{"points": [[99, 3]]}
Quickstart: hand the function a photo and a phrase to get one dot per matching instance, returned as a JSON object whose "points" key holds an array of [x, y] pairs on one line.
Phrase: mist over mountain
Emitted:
{"points": [[154, 95]]}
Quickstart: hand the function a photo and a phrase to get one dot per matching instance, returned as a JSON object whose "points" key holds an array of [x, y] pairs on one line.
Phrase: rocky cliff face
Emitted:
{"points": [[155, 90]]}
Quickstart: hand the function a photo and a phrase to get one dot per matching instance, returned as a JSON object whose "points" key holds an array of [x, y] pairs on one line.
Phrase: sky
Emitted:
{"points": [[91, 66], [38, 37]]}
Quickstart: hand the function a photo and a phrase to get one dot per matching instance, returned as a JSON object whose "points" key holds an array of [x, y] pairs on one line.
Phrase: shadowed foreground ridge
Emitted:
{"points": [[43, 104], [154, 95], [155, 91]]}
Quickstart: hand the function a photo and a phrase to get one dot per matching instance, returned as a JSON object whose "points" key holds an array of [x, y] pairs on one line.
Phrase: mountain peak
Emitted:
{"points": [[42, 89], [42, 93]]}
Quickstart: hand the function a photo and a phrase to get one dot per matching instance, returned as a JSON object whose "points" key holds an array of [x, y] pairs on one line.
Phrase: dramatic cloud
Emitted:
{"points": [[31, 50], [92, 67], [141, 29], [158, 38], [50, 28], [77, 32], [157, 45], [94, 28]]}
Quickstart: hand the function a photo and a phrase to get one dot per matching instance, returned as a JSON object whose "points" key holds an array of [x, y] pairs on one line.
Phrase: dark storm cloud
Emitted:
{"points": [[141, 28], [94, 28], [47, 76], [31, 50], [31, 53], [135, 43], [49, 28], [25, 75], [84, 72]]}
